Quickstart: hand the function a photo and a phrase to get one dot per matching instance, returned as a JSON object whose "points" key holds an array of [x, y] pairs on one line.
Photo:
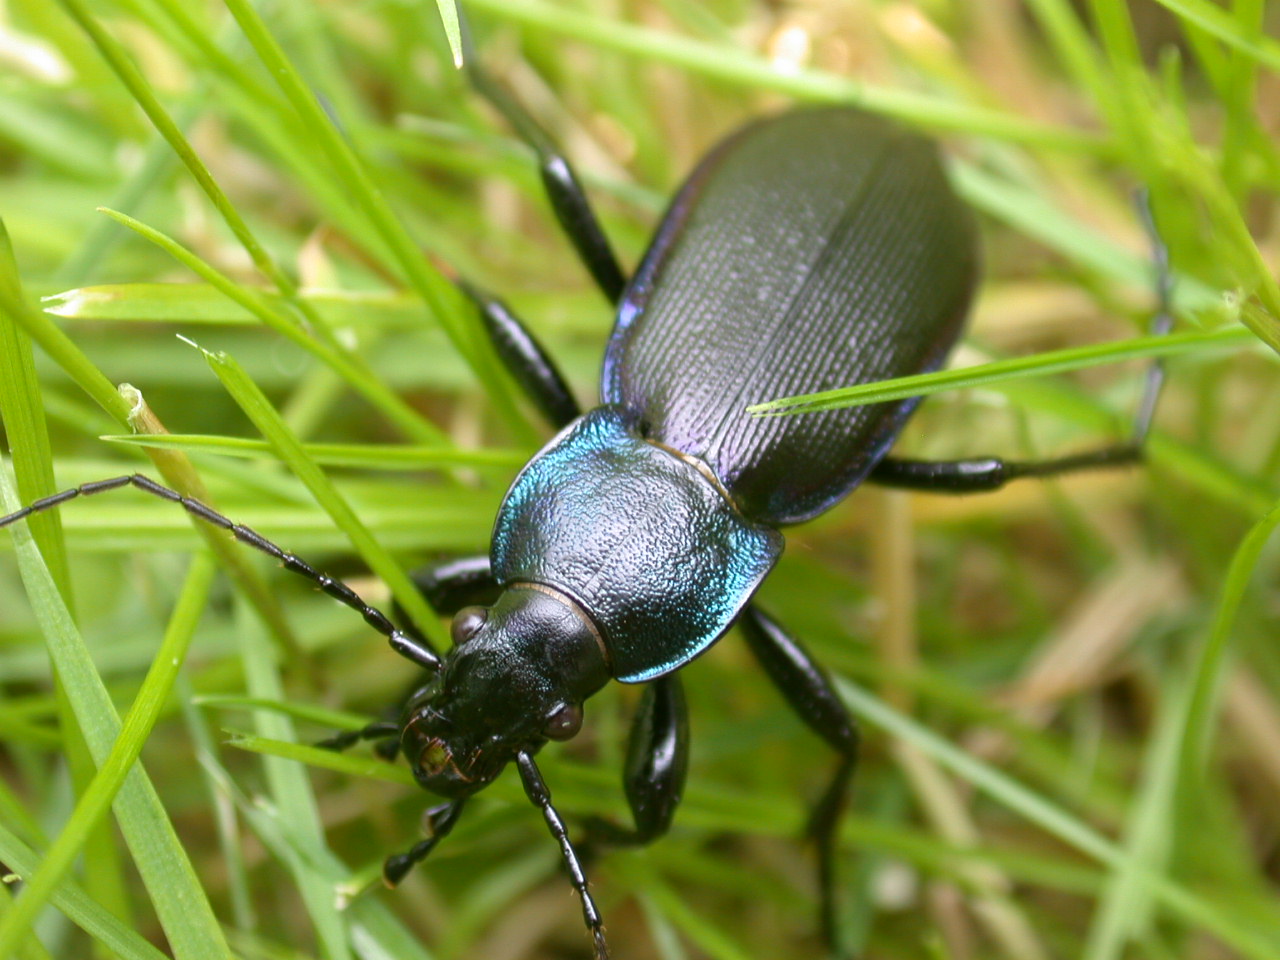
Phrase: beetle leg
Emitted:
{"points": [[536, 789], [990, 473], [379, 730], [809, 692], [457, 583], [523, 356], [440, 821], [657, 760], [564, 190]]}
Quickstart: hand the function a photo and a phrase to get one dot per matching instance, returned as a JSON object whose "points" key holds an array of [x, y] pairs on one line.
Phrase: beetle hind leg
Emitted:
{"points": [[990, 473], [808, 690], [564, 190]]}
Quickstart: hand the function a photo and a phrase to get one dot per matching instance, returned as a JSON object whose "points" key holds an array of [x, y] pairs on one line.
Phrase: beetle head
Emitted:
{"points": [[516, 677]]}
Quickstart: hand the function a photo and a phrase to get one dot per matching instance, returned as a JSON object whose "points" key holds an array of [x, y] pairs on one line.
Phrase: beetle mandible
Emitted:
{"points": [[814, 249]]}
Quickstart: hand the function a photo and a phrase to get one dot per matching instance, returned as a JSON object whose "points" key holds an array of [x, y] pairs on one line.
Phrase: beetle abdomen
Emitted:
{"points": [[814, 250]]}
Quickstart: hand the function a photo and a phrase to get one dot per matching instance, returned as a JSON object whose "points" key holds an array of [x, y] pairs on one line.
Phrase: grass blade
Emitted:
{"points": [[179, 899]]}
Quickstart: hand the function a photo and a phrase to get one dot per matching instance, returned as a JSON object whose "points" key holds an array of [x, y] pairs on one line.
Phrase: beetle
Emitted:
{"points": [[817, 248]]}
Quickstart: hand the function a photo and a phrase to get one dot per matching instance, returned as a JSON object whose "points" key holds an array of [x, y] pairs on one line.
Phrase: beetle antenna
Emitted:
{"points": [[536, 789], [419, 651]]}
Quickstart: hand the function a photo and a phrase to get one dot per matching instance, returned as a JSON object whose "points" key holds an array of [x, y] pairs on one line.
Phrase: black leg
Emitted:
{"points": [[520, 352], [457, 583], [991, 473], [379, 730], [564, 190], [657, 761], [808, 690], [524, 357], [419, 651], [438, 821], [536, 789]]}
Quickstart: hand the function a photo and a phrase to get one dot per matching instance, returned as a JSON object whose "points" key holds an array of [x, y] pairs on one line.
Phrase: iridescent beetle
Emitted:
{"points": [[815, 249]]}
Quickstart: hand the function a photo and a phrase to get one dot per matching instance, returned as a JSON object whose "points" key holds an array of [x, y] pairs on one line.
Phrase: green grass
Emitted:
{"points": [[1069, 691]]}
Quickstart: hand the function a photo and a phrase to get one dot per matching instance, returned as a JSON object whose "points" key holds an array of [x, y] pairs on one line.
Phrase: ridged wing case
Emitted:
{"points": [[819, 249]]}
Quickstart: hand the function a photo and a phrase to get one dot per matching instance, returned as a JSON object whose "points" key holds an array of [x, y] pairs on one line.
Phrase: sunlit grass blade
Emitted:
{"points": [[337, 719], [78, 906], [1216, 918], [264, 416], [1219, 22], [289, 791], [110, 777], [360, 379], [443, 300], [1126, 911], [174, 887], [371, 456], [141, 90], [1211, 662], [736, 66], [22, 409], [350, 764], [709, 937], [999, 371], [208, 304], [449, 18]]}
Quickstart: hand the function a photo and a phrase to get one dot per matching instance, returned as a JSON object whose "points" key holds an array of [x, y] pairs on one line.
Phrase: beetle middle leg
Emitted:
{"points": [[523, 356], [990, 473], [657, 762], [809, 692]]}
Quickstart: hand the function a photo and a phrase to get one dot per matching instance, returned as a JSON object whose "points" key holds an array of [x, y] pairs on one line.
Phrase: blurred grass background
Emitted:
{"points": [[1070, 691]]}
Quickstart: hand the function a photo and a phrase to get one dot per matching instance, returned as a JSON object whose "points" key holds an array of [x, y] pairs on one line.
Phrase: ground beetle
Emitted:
{"points": [[814, 249]]}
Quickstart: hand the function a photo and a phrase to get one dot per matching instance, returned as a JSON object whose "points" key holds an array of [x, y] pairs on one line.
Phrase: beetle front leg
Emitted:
{"points": [[808, 690], [380, 730], [657, 761], [438, 821], [536, 790], [453, 584]]}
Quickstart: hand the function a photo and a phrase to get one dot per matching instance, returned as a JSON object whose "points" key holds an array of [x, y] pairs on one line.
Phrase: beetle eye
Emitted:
{"points": [[466, 622], [564, 722]]}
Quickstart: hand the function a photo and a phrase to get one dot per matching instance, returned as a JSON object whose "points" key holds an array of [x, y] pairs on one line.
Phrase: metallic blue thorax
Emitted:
{"points": [[638, 536]]}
